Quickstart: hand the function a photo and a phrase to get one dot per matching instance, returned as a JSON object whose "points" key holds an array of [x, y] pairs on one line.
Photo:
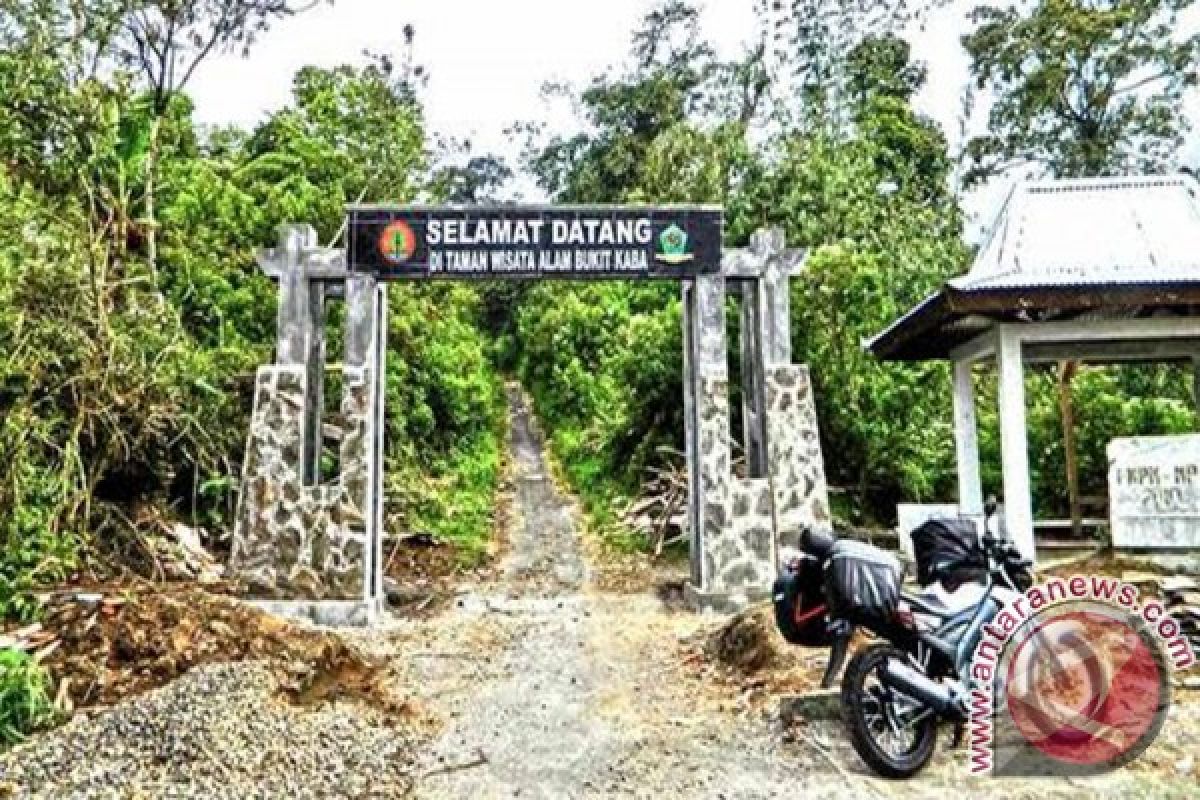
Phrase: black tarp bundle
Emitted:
{"points": [[862, 583], [947, 549]]}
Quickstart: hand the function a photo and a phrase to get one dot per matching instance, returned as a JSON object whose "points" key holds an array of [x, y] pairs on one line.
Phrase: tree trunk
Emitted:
{"points": [[149, 221], [1066, 410]]}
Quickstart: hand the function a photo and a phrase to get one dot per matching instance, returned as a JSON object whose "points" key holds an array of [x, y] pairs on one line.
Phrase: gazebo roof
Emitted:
{"points": [[1058, 249]]}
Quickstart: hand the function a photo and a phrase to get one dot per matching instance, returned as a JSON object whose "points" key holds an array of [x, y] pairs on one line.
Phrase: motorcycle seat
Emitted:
{"points": [[934, 599]]}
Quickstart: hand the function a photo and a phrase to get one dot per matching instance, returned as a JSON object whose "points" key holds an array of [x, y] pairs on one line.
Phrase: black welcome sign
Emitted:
{"points": [[597, 242]]}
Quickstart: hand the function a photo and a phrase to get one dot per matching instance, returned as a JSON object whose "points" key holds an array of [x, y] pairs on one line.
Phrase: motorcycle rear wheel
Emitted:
{"points": [[890, 746]]}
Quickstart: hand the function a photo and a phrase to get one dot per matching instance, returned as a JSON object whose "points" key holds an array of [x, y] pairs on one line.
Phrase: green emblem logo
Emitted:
{"points": [[673, 245]]}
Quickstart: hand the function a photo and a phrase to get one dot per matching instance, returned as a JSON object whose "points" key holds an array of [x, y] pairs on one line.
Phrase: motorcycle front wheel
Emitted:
{"points": [[893, 733]]}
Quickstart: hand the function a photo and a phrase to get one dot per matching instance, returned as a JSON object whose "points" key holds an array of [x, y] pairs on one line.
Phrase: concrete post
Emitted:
{"points": [[706, 400], [1014, 448], [294, 331], [754, 418], [360, 401], [966, 441], [314, 391], [293, 321]]}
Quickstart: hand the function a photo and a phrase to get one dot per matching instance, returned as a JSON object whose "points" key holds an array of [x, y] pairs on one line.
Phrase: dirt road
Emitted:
{"points": [[551, 688]]}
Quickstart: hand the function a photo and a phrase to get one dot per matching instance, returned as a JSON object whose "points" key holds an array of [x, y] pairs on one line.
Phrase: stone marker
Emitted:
{"points": [[1154, 492]]}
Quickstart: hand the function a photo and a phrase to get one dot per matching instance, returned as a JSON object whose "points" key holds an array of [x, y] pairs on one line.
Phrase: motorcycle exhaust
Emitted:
{"points": [[906, 680]]}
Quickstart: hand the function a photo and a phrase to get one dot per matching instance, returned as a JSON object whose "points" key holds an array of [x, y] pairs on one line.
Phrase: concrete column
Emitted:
{"points": [[691, 428], [360, 399], [374, 582], [775, 301], [314, 390], [966, 441], [294, 329], [1014, 448], [707, 405], [294, 321], [754, 418]]}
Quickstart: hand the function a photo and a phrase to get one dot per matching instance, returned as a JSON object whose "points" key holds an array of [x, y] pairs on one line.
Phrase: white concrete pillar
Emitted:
{"points": [[966, 440], [1014, 448], [374, 576]]}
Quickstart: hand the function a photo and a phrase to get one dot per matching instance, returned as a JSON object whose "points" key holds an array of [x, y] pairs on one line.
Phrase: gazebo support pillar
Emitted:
{"points": [[966, 440], [1014, 447]]}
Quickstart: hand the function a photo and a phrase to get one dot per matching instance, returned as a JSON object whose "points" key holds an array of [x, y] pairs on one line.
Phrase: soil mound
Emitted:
{"points": [[102, 648]]}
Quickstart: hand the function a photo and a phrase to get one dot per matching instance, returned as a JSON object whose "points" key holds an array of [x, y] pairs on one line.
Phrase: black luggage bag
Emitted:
{"points": [[800, 606], [863, 584], [947, 549]]}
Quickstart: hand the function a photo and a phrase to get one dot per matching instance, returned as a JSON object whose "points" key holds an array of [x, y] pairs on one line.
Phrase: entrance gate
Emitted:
{"points": [[315, 549]]}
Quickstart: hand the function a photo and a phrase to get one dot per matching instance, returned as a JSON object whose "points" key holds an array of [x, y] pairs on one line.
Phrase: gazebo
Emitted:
{"points": [[1099, 270]]}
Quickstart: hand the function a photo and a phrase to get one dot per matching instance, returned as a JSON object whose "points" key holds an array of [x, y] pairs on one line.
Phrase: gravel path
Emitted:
{"points": [[571, 705], [217, 732]]}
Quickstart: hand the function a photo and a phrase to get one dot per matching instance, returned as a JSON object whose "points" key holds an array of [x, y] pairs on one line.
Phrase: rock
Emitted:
{"points": [[818, 704], [1185, 765]]}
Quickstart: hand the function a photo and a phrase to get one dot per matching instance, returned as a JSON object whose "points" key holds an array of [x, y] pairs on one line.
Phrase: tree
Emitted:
{"points": [[806, 43], [871, 201], [165, 41], [1081, 87], [475, 182]]}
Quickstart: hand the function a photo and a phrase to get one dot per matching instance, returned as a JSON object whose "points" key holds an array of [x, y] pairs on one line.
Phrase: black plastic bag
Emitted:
{"points": [[862, 583], [800, 604], [948, 549]]}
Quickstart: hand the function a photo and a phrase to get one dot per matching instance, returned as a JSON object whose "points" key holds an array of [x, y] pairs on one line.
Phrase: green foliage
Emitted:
{"points": [[1109, 402], [444, 415], [25, 705], [1081, 88], [862, 181], [124, 392], [872, 203]]}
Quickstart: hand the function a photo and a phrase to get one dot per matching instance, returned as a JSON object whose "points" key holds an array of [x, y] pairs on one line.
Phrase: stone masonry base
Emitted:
{"points": [[330, 613], [722, 602]]}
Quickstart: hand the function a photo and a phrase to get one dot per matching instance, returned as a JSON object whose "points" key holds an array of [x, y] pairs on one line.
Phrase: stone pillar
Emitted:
{"points": [[353, 558], [302, 548], [738, 524], [797, 467]]}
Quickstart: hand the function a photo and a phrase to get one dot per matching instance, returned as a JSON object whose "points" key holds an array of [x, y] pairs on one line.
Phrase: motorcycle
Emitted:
{"points": [[914, 676]]}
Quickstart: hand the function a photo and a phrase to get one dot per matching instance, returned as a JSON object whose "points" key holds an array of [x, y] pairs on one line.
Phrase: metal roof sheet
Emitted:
{"points": [[1098, 245], [1092, 231]]}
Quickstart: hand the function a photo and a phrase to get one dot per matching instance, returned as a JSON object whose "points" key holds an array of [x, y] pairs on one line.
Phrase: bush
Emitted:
{"points": [[25, 705]]}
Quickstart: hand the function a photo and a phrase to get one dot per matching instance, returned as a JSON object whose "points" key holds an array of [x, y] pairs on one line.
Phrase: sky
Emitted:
{"points": [[488, 59]]}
